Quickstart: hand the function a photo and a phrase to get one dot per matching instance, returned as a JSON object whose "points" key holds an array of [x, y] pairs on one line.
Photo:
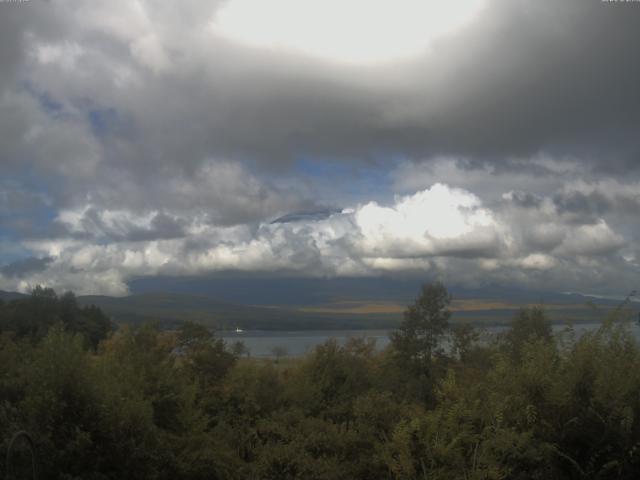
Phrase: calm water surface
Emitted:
{"points": [[262, 343]]}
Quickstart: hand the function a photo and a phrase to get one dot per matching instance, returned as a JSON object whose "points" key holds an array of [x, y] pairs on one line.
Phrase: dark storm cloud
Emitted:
{"points": [[600, 201], [94, 225], [15, 197], [22, 268], [525, 199], [531, 76], [593, 204], [9, 48], [523, 77]]}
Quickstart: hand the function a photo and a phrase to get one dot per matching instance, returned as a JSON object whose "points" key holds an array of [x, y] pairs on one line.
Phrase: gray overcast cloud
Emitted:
{"points": [[152, 138]]}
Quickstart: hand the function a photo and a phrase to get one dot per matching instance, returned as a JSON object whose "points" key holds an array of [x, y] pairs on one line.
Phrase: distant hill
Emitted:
{"points": [[281, 290], [172, 309], [288, 291], [8, 296], [328, 304]]}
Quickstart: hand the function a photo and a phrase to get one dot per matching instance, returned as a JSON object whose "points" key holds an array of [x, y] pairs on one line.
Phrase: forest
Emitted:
{"points": [[102, 401]]}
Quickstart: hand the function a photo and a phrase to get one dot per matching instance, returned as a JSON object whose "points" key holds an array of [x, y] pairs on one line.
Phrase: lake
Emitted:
{"points": [[262, 343]]}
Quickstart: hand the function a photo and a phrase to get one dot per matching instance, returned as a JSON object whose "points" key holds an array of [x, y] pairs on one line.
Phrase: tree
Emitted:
{"points": [[529, 324], [417, 340], [463, 337], [33, 316], [425, 324], [279, 352], [204, 355], [239, 349]]}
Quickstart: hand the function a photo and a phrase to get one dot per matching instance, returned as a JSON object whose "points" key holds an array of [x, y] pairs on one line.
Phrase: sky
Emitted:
{"points": [[479, 142]]}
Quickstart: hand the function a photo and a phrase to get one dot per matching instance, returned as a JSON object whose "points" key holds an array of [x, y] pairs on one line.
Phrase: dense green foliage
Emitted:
{"points": [[33, 316], [148, 403]]}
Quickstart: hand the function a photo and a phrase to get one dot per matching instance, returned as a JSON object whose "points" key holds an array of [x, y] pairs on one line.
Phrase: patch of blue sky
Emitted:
{"points": [[47, 102], [15, 225], [351, 182], [107, 121], [33, 211], [103, 120], [11, 252], [29, 180]]}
